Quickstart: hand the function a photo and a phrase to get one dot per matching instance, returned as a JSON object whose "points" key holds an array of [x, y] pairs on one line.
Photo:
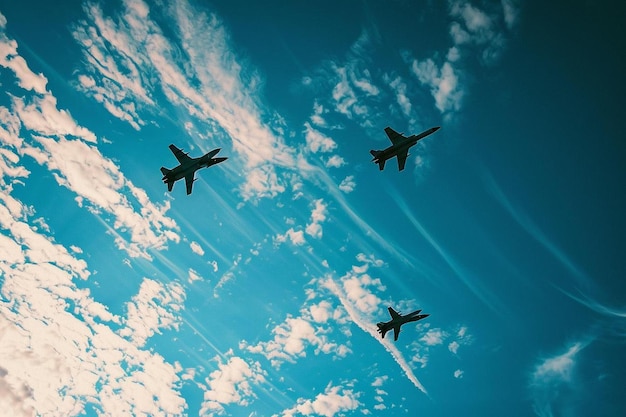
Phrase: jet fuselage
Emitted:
{"points": [[194, 164], [398, 321], [187, 167], [399, 148]]}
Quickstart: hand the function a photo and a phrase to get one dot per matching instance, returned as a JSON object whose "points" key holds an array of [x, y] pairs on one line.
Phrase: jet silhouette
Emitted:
{"points": [[400, 147], [398, 320], [187, 167]]}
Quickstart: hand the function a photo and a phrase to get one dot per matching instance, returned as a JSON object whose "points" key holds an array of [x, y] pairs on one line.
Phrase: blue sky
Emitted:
{"points": [[258, 294]]}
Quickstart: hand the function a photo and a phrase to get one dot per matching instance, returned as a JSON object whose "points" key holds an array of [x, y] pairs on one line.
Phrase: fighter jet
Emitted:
{"points": [[187, 167], [400, 147], [398, 320]]}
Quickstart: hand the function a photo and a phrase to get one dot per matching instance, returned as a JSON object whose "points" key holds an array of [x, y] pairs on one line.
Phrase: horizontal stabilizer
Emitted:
{"points": [[165, 171]]}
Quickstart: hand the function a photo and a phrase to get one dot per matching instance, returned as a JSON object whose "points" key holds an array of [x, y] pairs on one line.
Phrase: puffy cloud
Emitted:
{"points": [[380, 380], [433, 337], [193, 276], [316, 141], [333, 401], [59, 347], [347, 184], [443, 82], [458, 374], [296, 237], [156, 306], [295, 334], [335, 161], [196, 248], [318, 216], [231, 383], [9, 58]]}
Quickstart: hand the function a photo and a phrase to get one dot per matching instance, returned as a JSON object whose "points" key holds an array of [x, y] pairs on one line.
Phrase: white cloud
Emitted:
{"points": [[453, 347], [333, 401], [155, 307], [458, 374], [347, 184], [474, 33], [318, 216], [558, 367], [206, 82], [317, 118], [9, 58], [296, 237], [316, 141], [400, 89], [295, 334], [433, 337], [511, 12], [77, 164], [380, 380], [58, 347], [554, 383], [231, 383], [196, 248], [193, 276], [335, 161], [357, 298], [443, 82]]}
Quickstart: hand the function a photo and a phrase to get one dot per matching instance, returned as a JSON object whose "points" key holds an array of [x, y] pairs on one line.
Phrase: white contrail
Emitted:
{"points": [[366, 326]]}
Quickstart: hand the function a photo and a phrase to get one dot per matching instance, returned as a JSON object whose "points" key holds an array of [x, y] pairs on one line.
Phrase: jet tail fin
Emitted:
{"points": [[375, 153], [381, 329], [380, 162], [165, 171]]}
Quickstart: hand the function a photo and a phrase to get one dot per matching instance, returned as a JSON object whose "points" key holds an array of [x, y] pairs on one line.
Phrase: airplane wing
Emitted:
{"points": [[180, 155], [396, 332], [393, 313], [189, 182], [402, 159], [393, 136]]}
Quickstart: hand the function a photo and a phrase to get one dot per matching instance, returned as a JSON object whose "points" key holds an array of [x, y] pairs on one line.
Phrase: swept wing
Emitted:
{"points": [[402, 159], [189, 182], [396, 332], [394, 136], [180, 155], [394, 314]]}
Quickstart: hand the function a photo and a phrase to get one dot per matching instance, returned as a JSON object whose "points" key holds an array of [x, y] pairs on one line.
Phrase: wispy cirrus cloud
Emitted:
{"points": [[530, 227], [35, 126], [554, 382], [133, 68]]}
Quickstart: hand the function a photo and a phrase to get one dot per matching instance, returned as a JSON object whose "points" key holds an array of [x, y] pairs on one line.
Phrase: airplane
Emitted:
{"points": [[187, 167], [398, 320], [400, 145]]}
